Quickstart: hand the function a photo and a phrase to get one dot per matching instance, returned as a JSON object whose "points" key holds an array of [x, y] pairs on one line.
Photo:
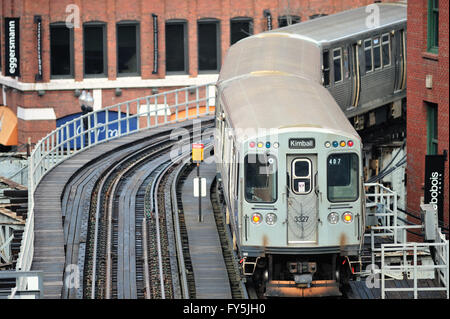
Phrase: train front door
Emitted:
{"points": [[302, 201]]}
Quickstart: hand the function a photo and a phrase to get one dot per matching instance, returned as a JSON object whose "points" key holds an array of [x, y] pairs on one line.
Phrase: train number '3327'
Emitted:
{"points": [[301, 219]]}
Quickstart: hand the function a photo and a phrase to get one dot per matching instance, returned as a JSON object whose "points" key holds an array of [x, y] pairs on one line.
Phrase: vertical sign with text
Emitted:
{"points": [[155, 43], [12, 46], [38, 22], [434, 182]]}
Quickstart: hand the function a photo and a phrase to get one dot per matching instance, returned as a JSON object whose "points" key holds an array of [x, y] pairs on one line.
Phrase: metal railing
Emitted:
{"points": [[101, 126], [386, 213], [35, 288], [441, 266], [384, 201]]}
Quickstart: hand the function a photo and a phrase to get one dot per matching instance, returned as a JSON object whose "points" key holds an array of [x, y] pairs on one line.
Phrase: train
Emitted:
{"points": [[289, 161]]}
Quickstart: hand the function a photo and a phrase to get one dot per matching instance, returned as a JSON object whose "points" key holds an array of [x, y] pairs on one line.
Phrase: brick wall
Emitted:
{"points": [[112, 11], [420, 63]]}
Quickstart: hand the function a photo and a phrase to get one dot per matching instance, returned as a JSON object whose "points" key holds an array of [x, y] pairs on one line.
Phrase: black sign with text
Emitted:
{"points": [[268, 16], [434, 182], [155, 43], [38, 21], [302, 143], [12, 46]]}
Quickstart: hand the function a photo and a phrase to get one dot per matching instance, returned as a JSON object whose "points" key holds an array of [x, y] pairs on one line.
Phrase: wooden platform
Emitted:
{"points": [[49, 250], [210, 273]]}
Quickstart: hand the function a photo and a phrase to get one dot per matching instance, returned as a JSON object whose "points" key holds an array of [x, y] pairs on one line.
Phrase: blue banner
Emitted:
{"points": [[110, 130]]}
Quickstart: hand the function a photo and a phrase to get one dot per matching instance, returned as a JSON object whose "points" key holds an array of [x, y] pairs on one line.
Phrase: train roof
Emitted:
{"points": [[348, 23], [278, 100], [272, 52]]}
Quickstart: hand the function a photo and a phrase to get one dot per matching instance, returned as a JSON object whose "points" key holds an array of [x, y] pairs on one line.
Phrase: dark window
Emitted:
{"points": [[432, 129], [61, 51], [260, 174], [386, 49], [368, 54], [301, 176], [376, 53], [240, 28], [342, 177], [176, 47], [208, 46], [94, 49], [317, 15], [337, 64], [128, 48], [284, 21], [326, 67], [433, 26]]}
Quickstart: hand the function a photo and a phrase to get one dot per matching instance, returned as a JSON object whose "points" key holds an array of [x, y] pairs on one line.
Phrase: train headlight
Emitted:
{"points": [[276, 145], [327, 144], [350, 143], [342, 143], [256, 218], [347, 217], [335, 144], [260, 144], [271, 218], [333, 218]]}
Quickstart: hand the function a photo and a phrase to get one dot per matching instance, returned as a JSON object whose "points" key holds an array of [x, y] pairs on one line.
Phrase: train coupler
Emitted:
{"points": [[303, 273]]}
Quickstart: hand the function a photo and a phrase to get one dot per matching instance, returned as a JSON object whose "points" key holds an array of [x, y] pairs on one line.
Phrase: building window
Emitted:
{"points": [[433, 26], [61, 51], [176, 47], [317, 15], [386, 49], [284, 21], [240, 28], [208, 45], [94, 38], [326, 67], [368, 54], [337, 64], [128, 58], [432, 129]]}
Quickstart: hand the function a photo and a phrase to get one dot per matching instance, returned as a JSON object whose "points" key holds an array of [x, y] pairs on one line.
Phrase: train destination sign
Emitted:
{"points": [[302, 143]]}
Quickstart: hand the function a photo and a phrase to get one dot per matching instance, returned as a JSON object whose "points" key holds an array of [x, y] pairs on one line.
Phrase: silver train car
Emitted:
{"points": [[363, 54], [289, 162]]}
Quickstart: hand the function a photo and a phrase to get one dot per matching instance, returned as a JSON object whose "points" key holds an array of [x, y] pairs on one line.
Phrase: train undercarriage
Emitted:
{"points": [[298, 275]]}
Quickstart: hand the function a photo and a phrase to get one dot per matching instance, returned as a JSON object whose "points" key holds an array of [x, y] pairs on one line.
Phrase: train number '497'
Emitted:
{"points": [[301, 219]]}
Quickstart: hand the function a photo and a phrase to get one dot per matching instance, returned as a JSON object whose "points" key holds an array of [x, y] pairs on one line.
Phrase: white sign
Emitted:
{"points": [[301, 187], [203, 186]]}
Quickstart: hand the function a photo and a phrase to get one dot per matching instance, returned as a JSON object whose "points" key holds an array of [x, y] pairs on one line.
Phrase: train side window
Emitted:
{"points": [[386, 49], [342, 177], [376, 53], [368, 54], [326, 67], [337, 64], [260, 175]]}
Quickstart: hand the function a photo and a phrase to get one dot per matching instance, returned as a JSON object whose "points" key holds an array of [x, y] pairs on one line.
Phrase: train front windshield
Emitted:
{"points": [[260, 178], [342, 177]]}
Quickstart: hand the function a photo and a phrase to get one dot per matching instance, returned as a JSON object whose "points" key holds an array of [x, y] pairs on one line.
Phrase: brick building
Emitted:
{"points": [[120, 50], [427, 95]]}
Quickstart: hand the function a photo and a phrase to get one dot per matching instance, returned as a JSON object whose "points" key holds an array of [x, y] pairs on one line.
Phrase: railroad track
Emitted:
{"points": [[133, 242]]}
